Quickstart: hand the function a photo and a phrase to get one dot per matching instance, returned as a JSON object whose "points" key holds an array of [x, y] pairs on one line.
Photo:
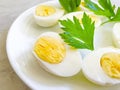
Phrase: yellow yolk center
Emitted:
{"points": [[93, 17], [50, 49], [43, 10], [110, 63], [82, 3]]}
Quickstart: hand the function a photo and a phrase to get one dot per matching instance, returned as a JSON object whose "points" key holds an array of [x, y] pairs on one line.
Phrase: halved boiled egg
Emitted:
{"points": [[79, 15], [55, 56], [116, 34], [103, 66], [47, 15]]}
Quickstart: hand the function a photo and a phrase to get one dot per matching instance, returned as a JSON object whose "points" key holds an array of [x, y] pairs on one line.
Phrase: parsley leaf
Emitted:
{"points": [[78, 35], [70, 5], [117, 16], [104, 8]]}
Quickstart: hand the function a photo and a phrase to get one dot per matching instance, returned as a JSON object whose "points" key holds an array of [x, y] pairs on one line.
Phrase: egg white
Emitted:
{"points": [[70, 65], [80, 13], [50, 20], [116, 35], [92, 69]]}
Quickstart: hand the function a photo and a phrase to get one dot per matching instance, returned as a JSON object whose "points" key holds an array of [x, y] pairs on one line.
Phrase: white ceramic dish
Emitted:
{"points": [[20, 39]]}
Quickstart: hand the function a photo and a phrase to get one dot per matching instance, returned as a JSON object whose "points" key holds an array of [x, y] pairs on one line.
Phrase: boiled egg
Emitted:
{"points": [[116, 34], [102, 66], [55, 56], [47, 15], [79, 15]]}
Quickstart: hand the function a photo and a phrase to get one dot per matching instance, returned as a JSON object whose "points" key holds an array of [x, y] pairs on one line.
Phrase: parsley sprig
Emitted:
{"points": [[70, 5], [104, 8], [78, 35]]}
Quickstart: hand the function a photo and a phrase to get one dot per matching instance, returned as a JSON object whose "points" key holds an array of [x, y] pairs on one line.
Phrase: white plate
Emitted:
{"points": [[19, 43]]}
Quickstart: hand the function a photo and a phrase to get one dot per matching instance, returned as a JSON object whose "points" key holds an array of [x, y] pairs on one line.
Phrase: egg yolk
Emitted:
{"points": [[93, 17], [43, 10], [50, 49], [82, 3], [110, 63]]}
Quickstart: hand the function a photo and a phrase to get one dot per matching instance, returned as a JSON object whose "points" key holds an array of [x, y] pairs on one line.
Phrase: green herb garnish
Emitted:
{"points": [[106, 9], [70, 5], [78, 35]]}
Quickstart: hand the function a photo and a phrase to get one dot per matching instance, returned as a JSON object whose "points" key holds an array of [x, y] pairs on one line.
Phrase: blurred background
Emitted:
{"points": [[9, 11]]}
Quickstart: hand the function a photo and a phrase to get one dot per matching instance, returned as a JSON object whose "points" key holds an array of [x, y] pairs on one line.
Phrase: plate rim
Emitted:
{"points": [[20, 75]]}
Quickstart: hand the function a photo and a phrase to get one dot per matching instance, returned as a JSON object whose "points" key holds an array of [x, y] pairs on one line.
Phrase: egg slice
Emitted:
{"points": [[79, 15], [55, 56], [103, 66], [116, 34], [47, 15]]}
